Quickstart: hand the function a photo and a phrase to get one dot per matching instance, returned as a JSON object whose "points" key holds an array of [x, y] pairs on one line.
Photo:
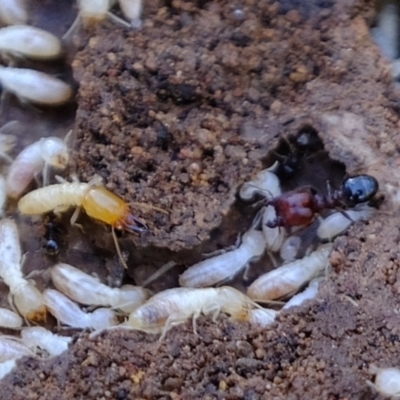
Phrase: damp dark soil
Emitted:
{"points": [[178, 115]]}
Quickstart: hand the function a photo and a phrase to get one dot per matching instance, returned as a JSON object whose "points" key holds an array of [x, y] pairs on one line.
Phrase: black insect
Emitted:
{"points": [[51, 246], [294, 150], [300, 206]]}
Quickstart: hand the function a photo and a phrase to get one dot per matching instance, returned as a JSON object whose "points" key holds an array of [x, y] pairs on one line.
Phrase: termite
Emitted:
{"points": [[37, 336], [11, 349], [338, 222], [6, 367], [68, 313], [26, 296], [307, 294], [289, 278], [174, 306], [225, 266], [132, 10], [387, 381], [267, 184], [290, 248], [13, 12], [36, 158], [85, 289], [36, 87], [94, 11], [262, 316], [9, 319], [98, 202], [28, 41]]}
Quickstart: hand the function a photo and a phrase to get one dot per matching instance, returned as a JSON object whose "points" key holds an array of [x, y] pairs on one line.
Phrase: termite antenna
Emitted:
{"points": [[148, 206], [114, 236]]}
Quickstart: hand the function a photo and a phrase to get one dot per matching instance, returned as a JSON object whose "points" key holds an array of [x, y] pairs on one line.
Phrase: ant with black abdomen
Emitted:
{"points": [[299, 207]]}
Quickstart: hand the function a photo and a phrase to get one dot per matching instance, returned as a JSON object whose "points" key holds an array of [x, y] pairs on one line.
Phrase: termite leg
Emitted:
{"points": [[114, 236], [73, 219], [72, 28], [119, 20]]}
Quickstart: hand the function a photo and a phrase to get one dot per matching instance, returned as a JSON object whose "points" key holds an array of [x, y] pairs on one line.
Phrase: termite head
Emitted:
{"points": [[359, 189], [55, 152], [131, 224]]}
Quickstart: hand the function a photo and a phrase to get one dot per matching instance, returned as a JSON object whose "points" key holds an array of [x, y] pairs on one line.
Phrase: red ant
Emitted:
{"points": [[299, 206]]}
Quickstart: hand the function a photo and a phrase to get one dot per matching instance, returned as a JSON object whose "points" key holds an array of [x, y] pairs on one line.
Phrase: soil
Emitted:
{"points": [[178, 115]]}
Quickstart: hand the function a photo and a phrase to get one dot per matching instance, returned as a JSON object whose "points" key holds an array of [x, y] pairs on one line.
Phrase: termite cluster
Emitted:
{"points": [[277, 230]]}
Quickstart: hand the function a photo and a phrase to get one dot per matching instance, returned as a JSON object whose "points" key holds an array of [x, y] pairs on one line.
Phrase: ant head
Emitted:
{"points": [[359, 189], [51, 248]]}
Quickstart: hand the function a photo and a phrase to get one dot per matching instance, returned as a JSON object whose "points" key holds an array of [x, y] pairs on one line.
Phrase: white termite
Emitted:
{"points": [[26, 296], [92, 12], [262, 316], [9, 319], [35, 87], [225, 266], [289, 278], [13, 12], [387, 381], [308, 294], [37, 336], [6, 367], [68, 313], [36, 158], [267, 184], [290, 248], [53, 197], [11, 349], [174, 306], [28, 41], [338, 222], [132, 10], [88, 290]]}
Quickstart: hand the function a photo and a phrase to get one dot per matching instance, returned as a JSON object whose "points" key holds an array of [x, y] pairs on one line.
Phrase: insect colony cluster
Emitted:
{"points": [[276, 229]]}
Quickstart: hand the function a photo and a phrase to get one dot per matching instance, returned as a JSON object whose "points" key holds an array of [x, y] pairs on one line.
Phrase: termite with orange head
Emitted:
{"points": [[27, 298], [98, 202]]}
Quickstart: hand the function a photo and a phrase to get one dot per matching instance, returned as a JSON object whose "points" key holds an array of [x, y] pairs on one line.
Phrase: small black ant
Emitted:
{"points": [[51, 246], [298, 207], [294, 150]]}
